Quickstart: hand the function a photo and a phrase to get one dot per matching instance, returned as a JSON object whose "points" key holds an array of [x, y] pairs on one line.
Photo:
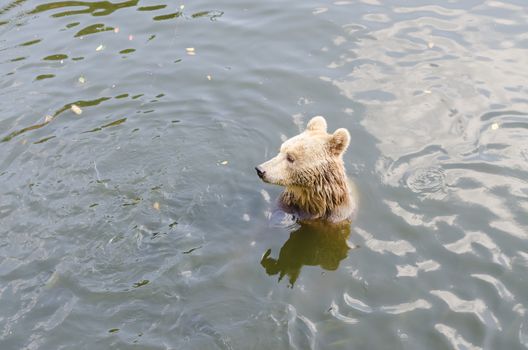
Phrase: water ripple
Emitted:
{"points": [[193, 325], [426, 180], [464, 245], [476, 307], [455, 339], [523, 334], [406, 307], [398, 247], [356, 304], [59, 316], [413, 217], [334, 311], [503, 292], [301, 331], [412, 271]]}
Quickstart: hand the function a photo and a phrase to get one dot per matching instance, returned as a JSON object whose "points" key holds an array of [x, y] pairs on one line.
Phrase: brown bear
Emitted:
{"points": [[310, 167]]}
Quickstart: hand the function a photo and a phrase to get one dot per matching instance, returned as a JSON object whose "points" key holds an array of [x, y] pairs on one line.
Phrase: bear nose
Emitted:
{"points": [[260, 172]]}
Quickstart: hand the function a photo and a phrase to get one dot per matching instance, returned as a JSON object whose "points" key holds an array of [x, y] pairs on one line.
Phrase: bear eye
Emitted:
{"points": [[290, 158]]}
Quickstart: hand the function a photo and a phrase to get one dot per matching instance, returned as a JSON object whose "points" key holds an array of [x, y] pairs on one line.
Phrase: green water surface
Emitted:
{"points": [[131, 216]]}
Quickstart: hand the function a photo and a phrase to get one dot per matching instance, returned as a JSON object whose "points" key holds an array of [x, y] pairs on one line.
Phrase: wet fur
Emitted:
{"points": [[322, 191]]}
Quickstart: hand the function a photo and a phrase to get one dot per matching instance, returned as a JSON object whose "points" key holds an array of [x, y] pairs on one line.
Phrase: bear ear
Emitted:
{"points": [[339, 141], [316, 124]]}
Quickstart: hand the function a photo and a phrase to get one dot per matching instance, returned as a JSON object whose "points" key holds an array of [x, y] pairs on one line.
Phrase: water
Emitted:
{"points": [[140, 223]]}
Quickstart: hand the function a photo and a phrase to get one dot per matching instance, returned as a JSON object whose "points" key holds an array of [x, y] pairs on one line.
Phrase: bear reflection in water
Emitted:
{"points": [[312, 244]]}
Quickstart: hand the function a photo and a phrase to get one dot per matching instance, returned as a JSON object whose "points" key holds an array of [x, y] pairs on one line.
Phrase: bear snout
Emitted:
{"points": [[260, 172]]}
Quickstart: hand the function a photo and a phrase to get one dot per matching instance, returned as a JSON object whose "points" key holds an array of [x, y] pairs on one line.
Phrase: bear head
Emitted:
{"points": [[305, 158], [310, 167]]}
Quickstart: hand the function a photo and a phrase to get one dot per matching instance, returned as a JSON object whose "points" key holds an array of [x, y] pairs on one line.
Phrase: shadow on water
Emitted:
{"points": [[105, 8], [313, 244], [98, 8]]}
